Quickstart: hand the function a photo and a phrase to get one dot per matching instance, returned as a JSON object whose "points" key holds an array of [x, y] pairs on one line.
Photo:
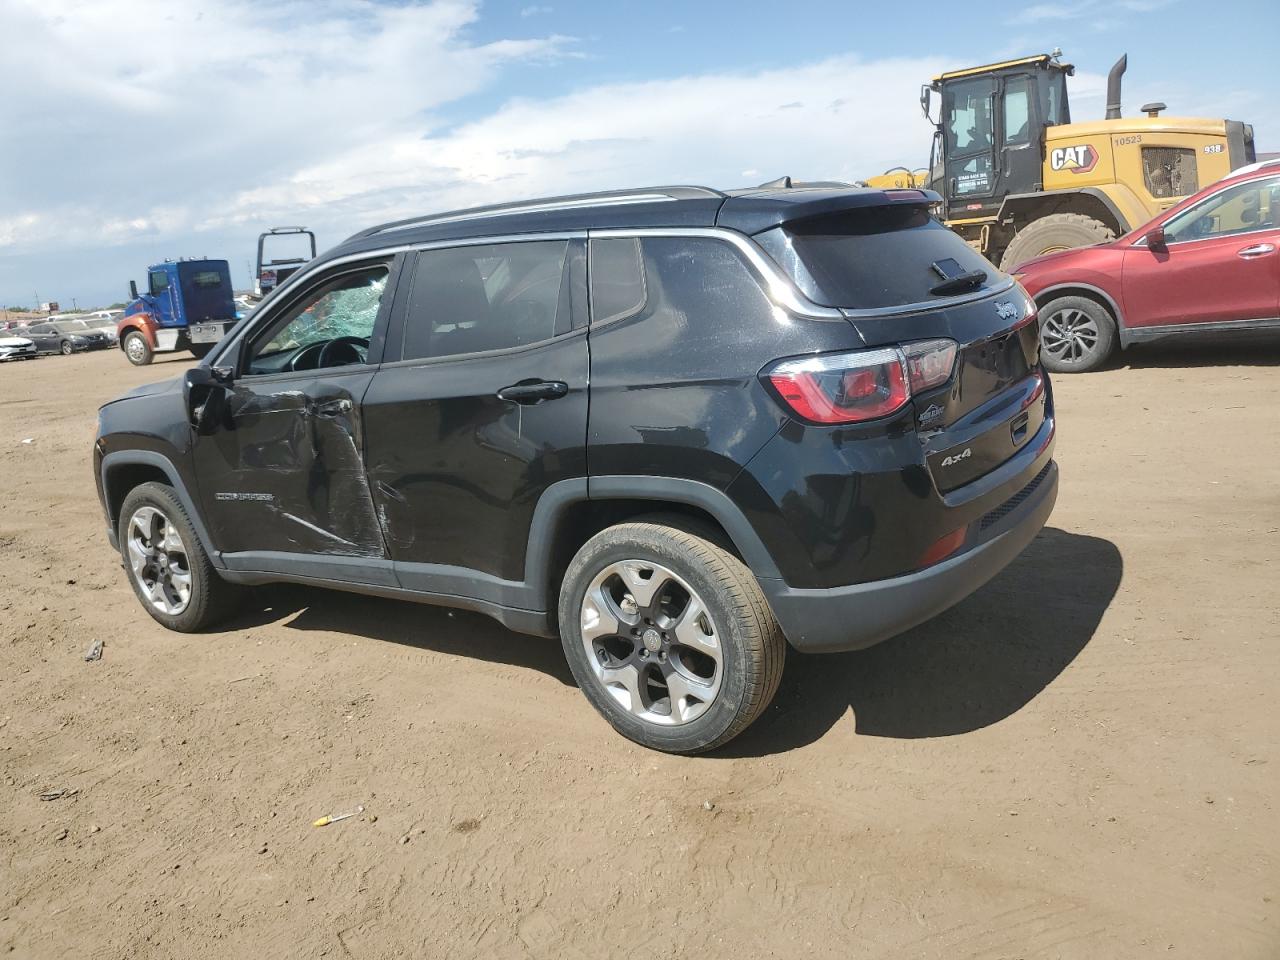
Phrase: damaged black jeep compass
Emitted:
{"points": [[677, 427]]}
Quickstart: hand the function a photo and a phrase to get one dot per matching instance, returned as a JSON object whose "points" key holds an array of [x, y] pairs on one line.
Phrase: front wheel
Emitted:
{"points": [[167, 566], [1077, 335], [66, 348], [669, 637], [137, 349]]}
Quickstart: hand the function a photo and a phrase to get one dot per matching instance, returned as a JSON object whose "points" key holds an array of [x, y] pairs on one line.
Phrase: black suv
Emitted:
{"points": [[676, 427]]}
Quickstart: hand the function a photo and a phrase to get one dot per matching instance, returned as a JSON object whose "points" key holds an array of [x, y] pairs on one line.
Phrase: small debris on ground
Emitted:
{"points": [[708, 805], [29, 440], [334, 818], [60, 793], [94, 652]]}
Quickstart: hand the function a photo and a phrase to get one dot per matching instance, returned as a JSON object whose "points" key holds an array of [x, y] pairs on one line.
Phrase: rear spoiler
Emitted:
{"points": [[756, 212]]}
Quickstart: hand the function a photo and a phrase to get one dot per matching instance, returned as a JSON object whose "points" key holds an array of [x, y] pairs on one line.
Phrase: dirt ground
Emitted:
{"points": [[1079, 761]]}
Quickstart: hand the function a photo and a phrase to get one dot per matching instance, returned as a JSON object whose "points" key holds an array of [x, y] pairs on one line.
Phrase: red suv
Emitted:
{"points": [[1207, 265]]}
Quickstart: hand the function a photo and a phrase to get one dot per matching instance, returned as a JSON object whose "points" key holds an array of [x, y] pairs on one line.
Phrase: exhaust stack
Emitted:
{"points": [[1113, 87]]}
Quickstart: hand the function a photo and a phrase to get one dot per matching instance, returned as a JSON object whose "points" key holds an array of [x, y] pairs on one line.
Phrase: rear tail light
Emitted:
{"points": [[929, 363], [861, 385]]}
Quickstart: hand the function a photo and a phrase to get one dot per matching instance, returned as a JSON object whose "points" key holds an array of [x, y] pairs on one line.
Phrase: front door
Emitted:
{"points": [[969, 144], [483, 407], [165, 305], [283, 471], [1220, 262]]}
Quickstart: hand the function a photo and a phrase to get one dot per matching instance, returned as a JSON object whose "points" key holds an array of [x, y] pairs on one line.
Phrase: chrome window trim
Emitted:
{"points": [[783, 291], [778, 286], [255, 320]]}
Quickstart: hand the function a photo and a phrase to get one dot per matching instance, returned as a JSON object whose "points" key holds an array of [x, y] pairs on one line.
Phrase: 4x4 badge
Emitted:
{"points": [[952, 460], [932, 413]]}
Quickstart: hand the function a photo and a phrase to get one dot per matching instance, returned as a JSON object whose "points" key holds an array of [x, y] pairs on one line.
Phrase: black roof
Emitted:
{"points": [[747, 211]]}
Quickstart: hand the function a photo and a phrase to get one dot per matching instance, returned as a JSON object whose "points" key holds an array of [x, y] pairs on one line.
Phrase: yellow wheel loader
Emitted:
{"points": [[1019, 179]]}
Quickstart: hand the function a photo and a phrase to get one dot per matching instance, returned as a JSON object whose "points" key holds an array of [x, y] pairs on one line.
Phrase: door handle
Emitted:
{"points": [[1257, 250], [327, 409], [533, 391]]}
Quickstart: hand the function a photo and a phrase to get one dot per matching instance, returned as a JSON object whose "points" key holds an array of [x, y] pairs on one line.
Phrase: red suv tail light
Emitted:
{"points": [[862, 384]]}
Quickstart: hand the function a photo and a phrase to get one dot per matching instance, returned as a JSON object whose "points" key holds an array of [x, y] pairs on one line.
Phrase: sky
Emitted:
{"points": [[135, 130]]}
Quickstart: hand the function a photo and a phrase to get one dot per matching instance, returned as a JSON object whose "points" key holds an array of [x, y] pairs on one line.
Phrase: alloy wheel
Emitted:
{"points": [[1069, 335], [159, 560], [651, 642]]}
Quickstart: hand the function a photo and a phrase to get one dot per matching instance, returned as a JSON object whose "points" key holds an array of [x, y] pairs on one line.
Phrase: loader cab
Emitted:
{"points": [[989, 131]]}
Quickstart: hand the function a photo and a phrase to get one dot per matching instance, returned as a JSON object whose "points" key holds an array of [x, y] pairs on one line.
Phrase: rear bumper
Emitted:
{"points": [[863, 614]]}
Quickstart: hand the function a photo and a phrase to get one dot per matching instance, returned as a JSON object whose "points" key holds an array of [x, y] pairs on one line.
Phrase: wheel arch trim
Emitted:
{"points": [[112, 462], [692, 493]]}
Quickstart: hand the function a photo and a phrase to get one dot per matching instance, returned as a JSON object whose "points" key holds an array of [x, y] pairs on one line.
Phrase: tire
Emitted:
{"points": [[208, 598], [628, 678], [66, 348], [1077, 335], [136, 349], [1058, 231], [201, 350]]}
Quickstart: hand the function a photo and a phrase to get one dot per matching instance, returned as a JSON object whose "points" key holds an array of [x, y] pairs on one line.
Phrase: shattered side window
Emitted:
{"points": [[344, 309]]}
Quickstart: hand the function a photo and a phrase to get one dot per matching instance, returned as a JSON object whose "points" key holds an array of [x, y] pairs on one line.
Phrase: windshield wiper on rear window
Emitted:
{"points": [[966, 281]]}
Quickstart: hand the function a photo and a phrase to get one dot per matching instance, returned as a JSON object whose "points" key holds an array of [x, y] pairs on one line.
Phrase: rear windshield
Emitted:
{"points": [[873, 257]]}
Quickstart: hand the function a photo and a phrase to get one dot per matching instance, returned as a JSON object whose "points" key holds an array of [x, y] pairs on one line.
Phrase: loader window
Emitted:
{"points": [[1017, 110], [966, 106], [1053, 100]]}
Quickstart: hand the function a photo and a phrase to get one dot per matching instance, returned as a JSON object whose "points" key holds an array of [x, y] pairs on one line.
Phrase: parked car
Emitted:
{"points": [[106, 324], [678, 428], [1207, 265], [49, 338], [16, 348]]}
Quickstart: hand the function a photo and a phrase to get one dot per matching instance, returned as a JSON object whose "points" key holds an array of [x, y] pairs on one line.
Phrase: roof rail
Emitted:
{"points": [[601, 199]]}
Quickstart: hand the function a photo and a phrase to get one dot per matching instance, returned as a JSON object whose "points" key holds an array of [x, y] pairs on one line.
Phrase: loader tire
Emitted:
{"points": [[1058, 231]]}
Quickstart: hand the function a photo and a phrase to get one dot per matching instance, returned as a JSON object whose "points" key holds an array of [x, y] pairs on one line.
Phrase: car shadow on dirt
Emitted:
{"points": [[1260, 349], [968, 668], [459, 633]]}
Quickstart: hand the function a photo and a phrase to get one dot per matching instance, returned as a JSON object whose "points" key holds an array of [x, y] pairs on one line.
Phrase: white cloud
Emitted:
{"points": [[697, 128]]}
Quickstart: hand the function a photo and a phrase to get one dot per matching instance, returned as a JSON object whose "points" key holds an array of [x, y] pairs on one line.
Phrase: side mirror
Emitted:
{"points": [[926, 101], [133, 289], [205, 390], [1155, 239]]}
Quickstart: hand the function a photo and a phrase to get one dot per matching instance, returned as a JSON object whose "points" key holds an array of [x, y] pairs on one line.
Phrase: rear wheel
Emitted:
{"points": [[669, 637], [168, 569], [137, 349], [1076, 335], [1058, 231]]}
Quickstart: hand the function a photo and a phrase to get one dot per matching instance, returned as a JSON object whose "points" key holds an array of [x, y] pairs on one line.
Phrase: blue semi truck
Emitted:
{"points": [[188, 305]]}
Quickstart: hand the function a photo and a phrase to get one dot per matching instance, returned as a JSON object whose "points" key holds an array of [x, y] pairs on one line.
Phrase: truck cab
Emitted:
{"points": [[187, 304]]}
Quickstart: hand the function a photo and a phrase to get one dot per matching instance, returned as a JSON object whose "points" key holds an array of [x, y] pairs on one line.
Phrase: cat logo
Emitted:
{"points": [[1078, 159]]}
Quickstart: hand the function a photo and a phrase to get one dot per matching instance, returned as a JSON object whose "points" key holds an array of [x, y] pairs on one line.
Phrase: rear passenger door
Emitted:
{"points": [[480, 406]]}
